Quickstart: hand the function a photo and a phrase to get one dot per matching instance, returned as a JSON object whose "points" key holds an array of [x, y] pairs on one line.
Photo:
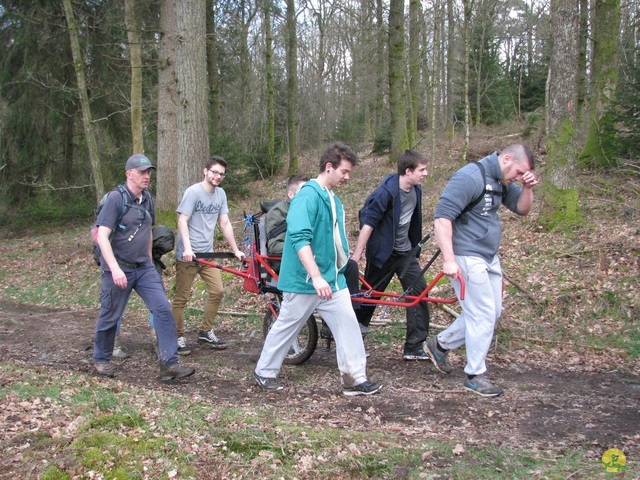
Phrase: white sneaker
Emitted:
{"points": [[119, 353], [182, 347]]}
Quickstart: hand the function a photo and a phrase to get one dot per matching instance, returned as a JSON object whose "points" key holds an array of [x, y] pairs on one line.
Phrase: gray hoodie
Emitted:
{"points": [[480, 233]]}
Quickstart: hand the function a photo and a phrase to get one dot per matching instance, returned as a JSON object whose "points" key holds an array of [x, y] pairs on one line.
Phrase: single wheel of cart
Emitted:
{"points": [[305, 343]]}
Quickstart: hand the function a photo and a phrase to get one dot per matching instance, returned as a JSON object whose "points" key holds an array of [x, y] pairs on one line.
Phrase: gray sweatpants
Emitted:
{"points": [[481, 308], [339, 316]]}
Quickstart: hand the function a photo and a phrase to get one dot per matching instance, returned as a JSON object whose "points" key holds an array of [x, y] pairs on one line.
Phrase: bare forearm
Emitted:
{"points": [[443, 231], [363, 238]]}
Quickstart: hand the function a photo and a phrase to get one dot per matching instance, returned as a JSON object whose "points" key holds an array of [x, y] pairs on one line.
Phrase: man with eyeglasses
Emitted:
{"points": [[125, 240], [203, 205]]}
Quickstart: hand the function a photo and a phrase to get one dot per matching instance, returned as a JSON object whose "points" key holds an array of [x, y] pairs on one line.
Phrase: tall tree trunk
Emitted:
{"points": [[292, 87], [435, 81], [380, 70], [599, 150], [87, 120], [192, 88], [583, 44], [399, 140], [451, 49], [479, 73], [467, 5], [271, 115], [167, 193], [560, 205], [135, 59], [246, 17], [415, 13], [212, 66]]}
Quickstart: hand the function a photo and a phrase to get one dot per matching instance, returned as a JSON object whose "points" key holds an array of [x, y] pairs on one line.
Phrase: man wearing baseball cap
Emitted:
{"points": [[125, 239]]}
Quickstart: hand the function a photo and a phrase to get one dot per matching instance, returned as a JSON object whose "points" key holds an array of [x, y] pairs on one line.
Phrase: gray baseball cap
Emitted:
{"points": [[140, 162]]}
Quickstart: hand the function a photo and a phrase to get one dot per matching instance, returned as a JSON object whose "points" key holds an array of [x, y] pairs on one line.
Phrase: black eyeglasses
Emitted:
{"points": [[219, 174]]}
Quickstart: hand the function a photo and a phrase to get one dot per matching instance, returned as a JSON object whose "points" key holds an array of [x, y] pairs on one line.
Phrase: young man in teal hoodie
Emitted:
{"points": [[312, 278]]}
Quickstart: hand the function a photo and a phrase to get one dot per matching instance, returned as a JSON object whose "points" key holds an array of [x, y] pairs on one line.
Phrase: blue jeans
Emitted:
{"points": [[113, 300]]}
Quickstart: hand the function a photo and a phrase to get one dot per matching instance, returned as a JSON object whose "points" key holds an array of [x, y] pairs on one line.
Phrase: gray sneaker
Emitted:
{"points": [[182, 347], [364, 388], [267, 383], [481, 385], [440, 360]]}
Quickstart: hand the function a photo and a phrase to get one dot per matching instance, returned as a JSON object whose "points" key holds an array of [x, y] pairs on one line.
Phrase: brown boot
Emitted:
{"points": [[105, 370], [174, 372]]}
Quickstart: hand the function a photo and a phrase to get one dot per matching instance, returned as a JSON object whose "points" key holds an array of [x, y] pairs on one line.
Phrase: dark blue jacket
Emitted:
{"points": [[381, 211]]}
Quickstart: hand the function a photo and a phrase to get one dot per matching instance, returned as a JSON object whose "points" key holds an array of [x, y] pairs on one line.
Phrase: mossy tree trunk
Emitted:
{"points": [[167, 193], [87, 120], [415, 15], [599, 149], [212, 67], [399, 138], [268, 62], [135, 60], [466, 28], [560, 194], [192, 91], [292, 87]]}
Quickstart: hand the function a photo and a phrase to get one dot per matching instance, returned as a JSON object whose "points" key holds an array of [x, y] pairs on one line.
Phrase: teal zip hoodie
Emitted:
{"points": [[310, 222]]}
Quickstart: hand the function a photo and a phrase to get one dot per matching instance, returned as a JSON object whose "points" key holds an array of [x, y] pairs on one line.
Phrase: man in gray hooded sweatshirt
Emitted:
{"points": [[469, 239]]}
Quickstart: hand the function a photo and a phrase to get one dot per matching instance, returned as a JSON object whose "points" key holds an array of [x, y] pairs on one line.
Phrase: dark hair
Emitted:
{"points": [[295, 179], [520, 153], [410, 159], [215, 160], [335, 154]]}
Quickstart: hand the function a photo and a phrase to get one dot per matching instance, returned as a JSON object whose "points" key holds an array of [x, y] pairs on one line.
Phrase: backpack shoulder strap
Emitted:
{"points": [[147, 194], [274, 232], [484, 189], [125, 201]]}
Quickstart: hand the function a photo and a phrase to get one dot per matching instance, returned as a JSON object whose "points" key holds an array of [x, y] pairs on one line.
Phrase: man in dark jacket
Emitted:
{"points": [[391, 229]]}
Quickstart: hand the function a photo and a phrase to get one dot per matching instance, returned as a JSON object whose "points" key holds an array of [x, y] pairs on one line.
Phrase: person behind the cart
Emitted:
{"points": [[391, 230], [276, 218], [126, 262], [203, 205], [312, 278], [469, 239]]}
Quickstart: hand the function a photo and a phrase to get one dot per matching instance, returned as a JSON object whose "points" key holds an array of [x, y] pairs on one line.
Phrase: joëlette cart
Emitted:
{"points": [[261, 278]]}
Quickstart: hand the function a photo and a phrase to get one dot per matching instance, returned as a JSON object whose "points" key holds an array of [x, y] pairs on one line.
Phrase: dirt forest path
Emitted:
{"points": [[547, 405]]}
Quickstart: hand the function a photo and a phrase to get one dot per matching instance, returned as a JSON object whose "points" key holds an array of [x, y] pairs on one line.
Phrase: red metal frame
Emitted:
{"points": [[369, 296]]}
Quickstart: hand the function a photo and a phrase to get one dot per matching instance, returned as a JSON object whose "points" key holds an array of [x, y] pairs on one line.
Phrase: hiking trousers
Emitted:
{"points": [[408, 270], [113, 301], [337, 313], [481, 308], [185, 275]]}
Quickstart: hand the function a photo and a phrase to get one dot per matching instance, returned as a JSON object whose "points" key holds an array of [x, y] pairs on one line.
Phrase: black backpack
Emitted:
{"points": [[164, 241], [503, 193], [125, 205]]}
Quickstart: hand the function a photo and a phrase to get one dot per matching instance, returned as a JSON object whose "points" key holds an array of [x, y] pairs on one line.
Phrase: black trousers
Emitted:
{"points": [[407, 268]]}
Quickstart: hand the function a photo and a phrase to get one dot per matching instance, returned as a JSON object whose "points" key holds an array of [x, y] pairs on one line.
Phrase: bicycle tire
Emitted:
{"points": [[305, 343]]}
